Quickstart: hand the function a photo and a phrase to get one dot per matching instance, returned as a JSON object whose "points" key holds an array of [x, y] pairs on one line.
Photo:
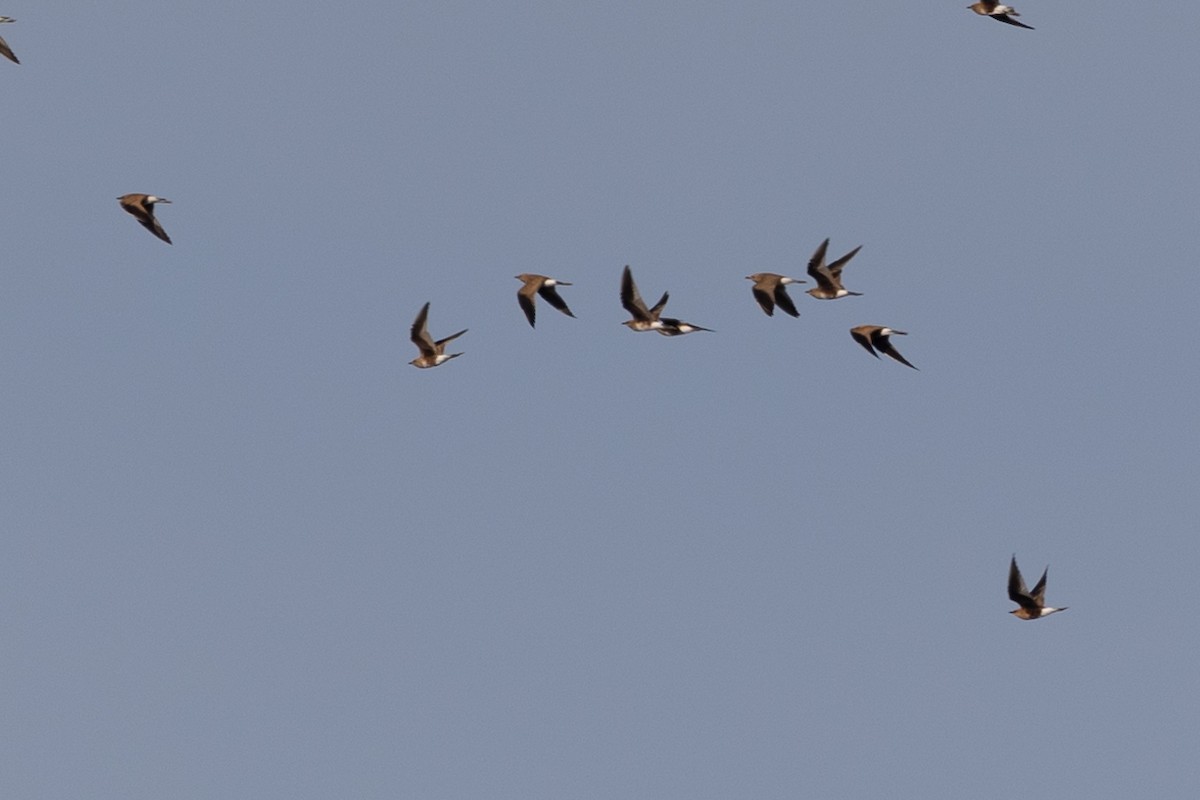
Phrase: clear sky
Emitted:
{"points": [[248, 552]]}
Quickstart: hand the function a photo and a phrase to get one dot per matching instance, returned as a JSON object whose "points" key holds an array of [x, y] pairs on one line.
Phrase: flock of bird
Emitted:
{"points": [[769, 291]]}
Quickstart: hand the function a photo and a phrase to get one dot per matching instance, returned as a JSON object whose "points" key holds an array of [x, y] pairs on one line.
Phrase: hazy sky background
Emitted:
{"points": [[248, 552]]}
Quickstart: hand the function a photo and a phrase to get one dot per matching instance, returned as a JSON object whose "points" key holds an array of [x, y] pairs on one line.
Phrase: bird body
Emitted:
{"points": [[535, 285], [141, 206], [770, 290], [650, 319], [875, 337], [999, 12], [433, 354], [1032, 604], [829, 276]]}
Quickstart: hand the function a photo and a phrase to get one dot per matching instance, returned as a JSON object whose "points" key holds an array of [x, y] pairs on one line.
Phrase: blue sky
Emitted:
{"points": [[249, 552]]}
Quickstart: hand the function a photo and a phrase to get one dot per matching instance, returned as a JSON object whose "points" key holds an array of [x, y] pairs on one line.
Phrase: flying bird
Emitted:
{"points": [[644, 319], [875, 337], [433, 353], [677, 327], [1032, 604], [5, 50], [540, 284], [141, 206], [998, 12], [829, 277], [770, 290]]}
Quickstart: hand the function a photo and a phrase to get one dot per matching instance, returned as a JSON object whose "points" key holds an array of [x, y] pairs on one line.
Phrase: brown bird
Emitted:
{"points": [[998, 12], [644, 319], [1032, 604], [770, 290], [875, 337], [829, 278], [5, 50], [433, 354], [540, 285], [141, 206]]}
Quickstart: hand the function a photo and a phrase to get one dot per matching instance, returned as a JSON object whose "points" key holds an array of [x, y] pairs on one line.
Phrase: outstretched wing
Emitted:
{"points": [[631, 298], [884, 345], [784, 300], [862, 335], [551, 296], [659, 306], [1016, 585], [816, 267], [1010, 21], [441, 343], [7, 52], [1039, 592], [152, 224], [835, 269], [527, 305], [765, 300], [419, 334]]}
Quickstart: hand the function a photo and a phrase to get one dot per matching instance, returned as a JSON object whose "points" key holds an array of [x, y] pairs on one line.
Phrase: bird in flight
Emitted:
{"points": [[829, 277], [770, 290], [875, 337], [540, 285], [433, 354], [1032, 604], [999, 12], [644, 319], [141, 206]]}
